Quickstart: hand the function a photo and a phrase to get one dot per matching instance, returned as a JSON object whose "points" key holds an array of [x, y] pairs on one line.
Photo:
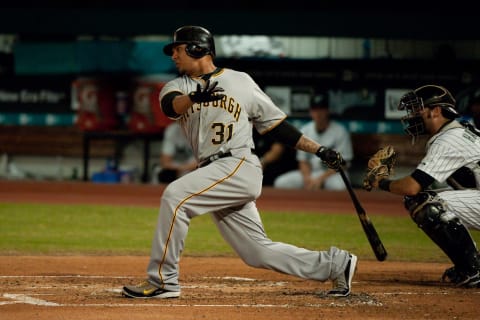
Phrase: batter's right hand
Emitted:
{"points": [[209, 93], [331, 158]]}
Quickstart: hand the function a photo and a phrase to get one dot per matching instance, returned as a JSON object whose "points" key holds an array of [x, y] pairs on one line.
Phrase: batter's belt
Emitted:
{"points": [[217, 156]]}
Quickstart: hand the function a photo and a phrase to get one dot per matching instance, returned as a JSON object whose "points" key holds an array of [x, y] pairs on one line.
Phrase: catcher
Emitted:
{"points": [[452, 156]]}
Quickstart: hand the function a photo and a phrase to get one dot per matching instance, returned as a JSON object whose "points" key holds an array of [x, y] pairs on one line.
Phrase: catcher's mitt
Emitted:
{"points": [[380, 166]]}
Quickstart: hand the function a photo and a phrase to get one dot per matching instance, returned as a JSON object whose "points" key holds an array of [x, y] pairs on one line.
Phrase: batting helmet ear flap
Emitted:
{"points": [[196, 51], [199, 42]]}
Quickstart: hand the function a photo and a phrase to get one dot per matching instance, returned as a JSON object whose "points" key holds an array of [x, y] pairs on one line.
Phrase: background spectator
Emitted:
{"points": [[311, 172], [176, 157], [276, 158]]}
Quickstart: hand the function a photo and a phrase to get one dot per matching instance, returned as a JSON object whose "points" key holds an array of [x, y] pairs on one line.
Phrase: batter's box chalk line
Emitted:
{"points": [[246, 281], [23, 298]]}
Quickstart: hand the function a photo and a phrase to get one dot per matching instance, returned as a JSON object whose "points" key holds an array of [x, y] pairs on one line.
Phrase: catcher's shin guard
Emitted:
{"points": [[446, 230]]}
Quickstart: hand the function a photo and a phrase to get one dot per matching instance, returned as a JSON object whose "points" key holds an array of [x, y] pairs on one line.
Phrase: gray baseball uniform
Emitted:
{"points": [[227, 186]]}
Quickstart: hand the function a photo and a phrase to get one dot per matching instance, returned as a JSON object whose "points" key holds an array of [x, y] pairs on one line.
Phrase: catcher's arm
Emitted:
{"points": [[380, 166]]}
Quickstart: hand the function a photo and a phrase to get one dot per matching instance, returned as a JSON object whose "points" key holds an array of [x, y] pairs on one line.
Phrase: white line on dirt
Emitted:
{"points": [[180, 305], [414, 293], [232, 278], [69, 276], [22, 298], [117, 277]]}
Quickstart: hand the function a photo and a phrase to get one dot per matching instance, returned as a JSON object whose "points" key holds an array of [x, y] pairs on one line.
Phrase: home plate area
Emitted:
{"points": [[89, 287], [84, 290], [228, 291]]}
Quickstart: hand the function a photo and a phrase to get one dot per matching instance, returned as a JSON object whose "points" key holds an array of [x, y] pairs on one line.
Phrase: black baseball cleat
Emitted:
{"points": [[146, 290], [343, 284], [462, 279], [451, 275], [471, 280]]}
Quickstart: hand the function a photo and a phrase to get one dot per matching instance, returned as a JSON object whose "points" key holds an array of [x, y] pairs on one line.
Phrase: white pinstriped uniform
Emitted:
{"points": [[447, 151], [228, 187]]}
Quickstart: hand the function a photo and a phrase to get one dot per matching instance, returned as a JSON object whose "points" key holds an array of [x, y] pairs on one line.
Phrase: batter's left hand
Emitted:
{"points": [[209, 93]]}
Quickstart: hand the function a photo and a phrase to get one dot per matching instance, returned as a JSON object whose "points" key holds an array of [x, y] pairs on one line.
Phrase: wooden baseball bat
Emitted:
{"points": [[367, 224]]}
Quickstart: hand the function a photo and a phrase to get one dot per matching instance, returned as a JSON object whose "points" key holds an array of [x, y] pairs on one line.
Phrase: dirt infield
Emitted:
{"points": [[88, 287]]}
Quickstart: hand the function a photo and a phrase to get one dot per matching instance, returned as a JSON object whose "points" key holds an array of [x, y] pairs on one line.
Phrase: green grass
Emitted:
{"points": [[87, 229]]}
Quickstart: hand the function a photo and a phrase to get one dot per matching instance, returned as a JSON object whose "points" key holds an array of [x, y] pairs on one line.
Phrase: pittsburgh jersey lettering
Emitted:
{"points": [[227, 103]]}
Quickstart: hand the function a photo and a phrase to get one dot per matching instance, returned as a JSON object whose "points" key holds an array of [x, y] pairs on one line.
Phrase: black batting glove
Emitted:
{"points": [[209, 93], [330, 157]]}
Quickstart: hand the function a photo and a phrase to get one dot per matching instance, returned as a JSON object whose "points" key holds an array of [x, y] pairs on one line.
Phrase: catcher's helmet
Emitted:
{"points": [[198, 39], [428, 96]]}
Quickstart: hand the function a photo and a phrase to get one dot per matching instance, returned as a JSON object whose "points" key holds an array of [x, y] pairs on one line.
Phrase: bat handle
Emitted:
{"points": [[348, 185]]}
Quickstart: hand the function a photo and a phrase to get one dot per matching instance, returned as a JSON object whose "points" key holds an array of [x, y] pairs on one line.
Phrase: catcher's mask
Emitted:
{"points": [[414, 102], [199, 42]]}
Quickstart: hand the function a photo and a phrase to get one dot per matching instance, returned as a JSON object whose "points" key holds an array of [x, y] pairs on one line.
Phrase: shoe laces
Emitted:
{"points": [[144, 283]]}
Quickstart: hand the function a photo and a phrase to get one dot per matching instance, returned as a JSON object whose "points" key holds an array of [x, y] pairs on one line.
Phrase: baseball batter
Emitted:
{"points": [[452, 156], [217, 109]]}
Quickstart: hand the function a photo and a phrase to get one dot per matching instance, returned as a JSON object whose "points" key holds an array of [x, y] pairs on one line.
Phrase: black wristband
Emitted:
{"points": [[167, 104], [320, 151], [384, 184]]}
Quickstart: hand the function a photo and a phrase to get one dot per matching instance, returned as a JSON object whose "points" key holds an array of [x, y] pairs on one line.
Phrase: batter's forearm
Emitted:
{"points": [[306, 144], [174, 104], [181, 104], [331, 158]]}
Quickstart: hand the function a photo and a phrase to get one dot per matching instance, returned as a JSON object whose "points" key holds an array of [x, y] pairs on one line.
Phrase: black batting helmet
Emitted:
{"points": [[198, 39]]}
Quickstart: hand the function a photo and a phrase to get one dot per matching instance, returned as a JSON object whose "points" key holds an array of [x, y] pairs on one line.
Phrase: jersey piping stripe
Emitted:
{"points": [[180, 204], [273, 126]]}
